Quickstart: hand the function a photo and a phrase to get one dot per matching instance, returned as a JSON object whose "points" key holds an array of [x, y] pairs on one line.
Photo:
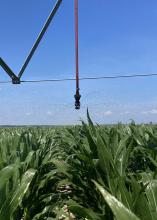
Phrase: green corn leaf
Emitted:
{"points": [[22, 189], [118, 209], [105, 156], [151, 193], [6, 173], [16, 197], [82, 212]]}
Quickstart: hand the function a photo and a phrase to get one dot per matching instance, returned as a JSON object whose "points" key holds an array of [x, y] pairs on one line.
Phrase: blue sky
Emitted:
{"points": [[116, 37]]}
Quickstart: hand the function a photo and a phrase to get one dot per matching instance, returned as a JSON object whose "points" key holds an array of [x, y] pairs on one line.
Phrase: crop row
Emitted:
{"points": [[85, 172]]}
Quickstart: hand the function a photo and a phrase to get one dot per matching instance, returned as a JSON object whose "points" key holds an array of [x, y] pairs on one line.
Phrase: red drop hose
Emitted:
{"points": [[77, 95]]}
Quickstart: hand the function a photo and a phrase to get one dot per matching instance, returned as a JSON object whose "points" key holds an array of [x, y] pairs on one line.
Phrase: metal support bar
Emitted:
{"points": [[40, 37], [15, 79]]}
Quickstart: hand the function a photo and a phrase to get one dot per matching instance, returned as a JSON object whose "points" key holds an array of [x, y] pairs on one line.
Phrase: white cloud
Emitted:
{"points": [[125, 113], [153, 111], [49, 113], [107, 113], [28, 113], [144, 112]]}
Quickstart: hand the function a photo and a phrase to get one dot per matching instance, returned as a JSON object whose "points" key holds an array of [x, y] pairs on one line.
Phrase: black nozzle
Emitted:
{"points": [[77, 100]]}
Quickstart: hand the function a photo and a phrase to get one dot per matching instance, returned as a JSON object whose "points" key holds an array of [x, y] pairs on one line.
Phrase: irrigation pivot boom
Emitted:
{"points": [[16, 79]]}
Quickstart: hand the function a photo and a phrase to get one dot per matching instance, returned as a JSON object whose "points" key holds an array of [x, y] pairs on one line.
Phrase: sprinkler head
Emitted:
{"points": [[77, 100]]}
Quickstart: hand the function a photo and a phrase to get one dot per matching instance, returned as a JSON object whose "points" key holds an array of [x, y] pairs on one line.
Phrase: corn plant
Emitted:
{"points": [[79, 172]]}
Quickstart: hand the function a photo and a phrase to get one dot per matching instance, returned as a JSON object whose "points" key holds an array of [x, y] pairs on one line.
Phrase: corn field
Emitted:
{"points": [[86, 172]]}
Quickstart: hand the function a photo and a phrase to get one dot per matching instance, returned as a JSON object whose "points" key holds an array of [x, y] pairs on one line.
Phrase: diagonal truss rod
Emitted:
{"points": [[16, 78], [8, 70], [45, 27]]}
